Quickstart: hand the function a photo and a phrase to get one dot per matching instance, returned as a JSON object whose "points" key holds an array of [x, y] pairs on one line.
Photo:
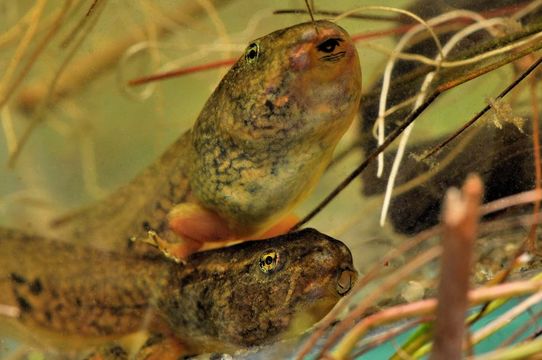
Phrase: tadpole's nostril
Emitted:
{"points": [[345, 281]]}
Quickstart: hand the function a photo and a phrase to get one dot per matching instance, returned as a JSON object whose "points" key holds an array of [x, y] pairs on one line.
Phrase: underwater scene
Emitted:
{"points": [[233, 179]]}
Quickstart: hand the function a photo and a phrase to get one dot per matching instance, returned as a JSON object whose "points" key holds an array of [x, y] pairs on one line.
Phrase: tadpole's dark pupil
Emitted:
{"points": [[269, 260], [328, 46], [252, 54]]}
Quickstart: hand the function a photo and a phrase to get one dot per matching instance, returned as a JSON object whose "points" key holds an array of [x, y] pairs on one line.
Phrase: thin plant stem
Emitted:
{"points": [[531, 242]]}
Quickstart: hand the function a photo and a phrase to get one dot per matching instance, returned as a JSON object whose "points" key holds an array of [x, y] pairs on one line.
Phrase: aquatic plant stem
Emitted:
{"points": [[390, 334], [531, 239], [33, 22], [460, 219], [347, 325], [370, 275], [425, 307], [506, 318], [520, 331], [378, 268], [188, 70]]}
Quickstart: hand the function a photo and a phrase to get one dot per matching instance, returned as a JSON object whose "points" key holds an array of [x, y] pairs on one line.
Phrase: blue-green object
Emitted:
{"points": [[387, 349], [287, 350]]}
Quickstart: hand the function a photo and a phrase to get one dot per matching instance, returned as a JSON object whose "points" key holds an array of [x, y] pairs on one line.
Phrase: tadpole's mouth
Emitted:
{"points": [[345, 280], [334, 57]]}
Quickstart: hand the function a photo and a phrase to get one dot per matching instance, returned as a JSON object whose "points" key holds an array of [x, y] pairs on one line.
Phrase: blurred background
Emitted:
{"points": [[73, 130]]}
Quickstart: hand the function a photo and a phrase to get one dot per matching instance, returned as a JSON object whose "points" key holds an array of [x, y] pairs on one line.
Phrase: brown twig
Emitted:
{"points": [[510, 201], [178, 72], [377, 269], [385, 18], [460, 226], [426, 307]]}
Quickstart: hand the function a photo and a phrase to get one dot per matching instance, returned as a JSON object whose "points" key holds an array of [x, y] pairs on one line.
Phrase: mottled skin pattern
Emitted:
{"points": [[270, 128], [218, 301], [258, 147], [73, 289]]}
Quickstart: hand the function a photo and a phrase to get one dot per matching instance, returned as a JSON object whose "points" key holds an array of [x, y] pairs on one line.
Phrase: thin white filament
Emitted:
{"points": [[454, 40], [457, 63], [389, 66], [391, 63]]}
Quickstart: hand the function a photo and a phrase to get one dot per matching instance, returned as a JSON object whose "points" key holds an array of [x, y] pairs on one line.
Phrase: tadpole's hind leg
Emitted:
{"points": [[196, 225]]}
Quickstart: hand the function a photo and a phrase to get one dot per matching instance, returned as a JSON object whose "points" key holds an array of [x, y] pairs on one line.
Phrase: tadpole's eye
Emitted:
{"points": [[329, 45], [269, 261], [252, 53]]}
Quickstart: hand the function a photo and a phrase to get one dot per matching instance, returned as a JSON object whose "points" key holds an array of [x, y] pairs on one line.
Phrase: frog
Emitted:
{"points": [[257, 149], [220, 300]]}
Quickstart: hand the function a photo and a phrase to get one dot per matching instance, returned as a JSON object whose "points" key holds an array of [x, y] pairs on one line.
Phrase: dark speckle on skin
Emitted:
{"points": [[48, 316], [35, 287], [153, 340], [117, 352], [54, 293], [253, 188], [269, 105], [24, 305], [146, 226], [17, 278]]}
